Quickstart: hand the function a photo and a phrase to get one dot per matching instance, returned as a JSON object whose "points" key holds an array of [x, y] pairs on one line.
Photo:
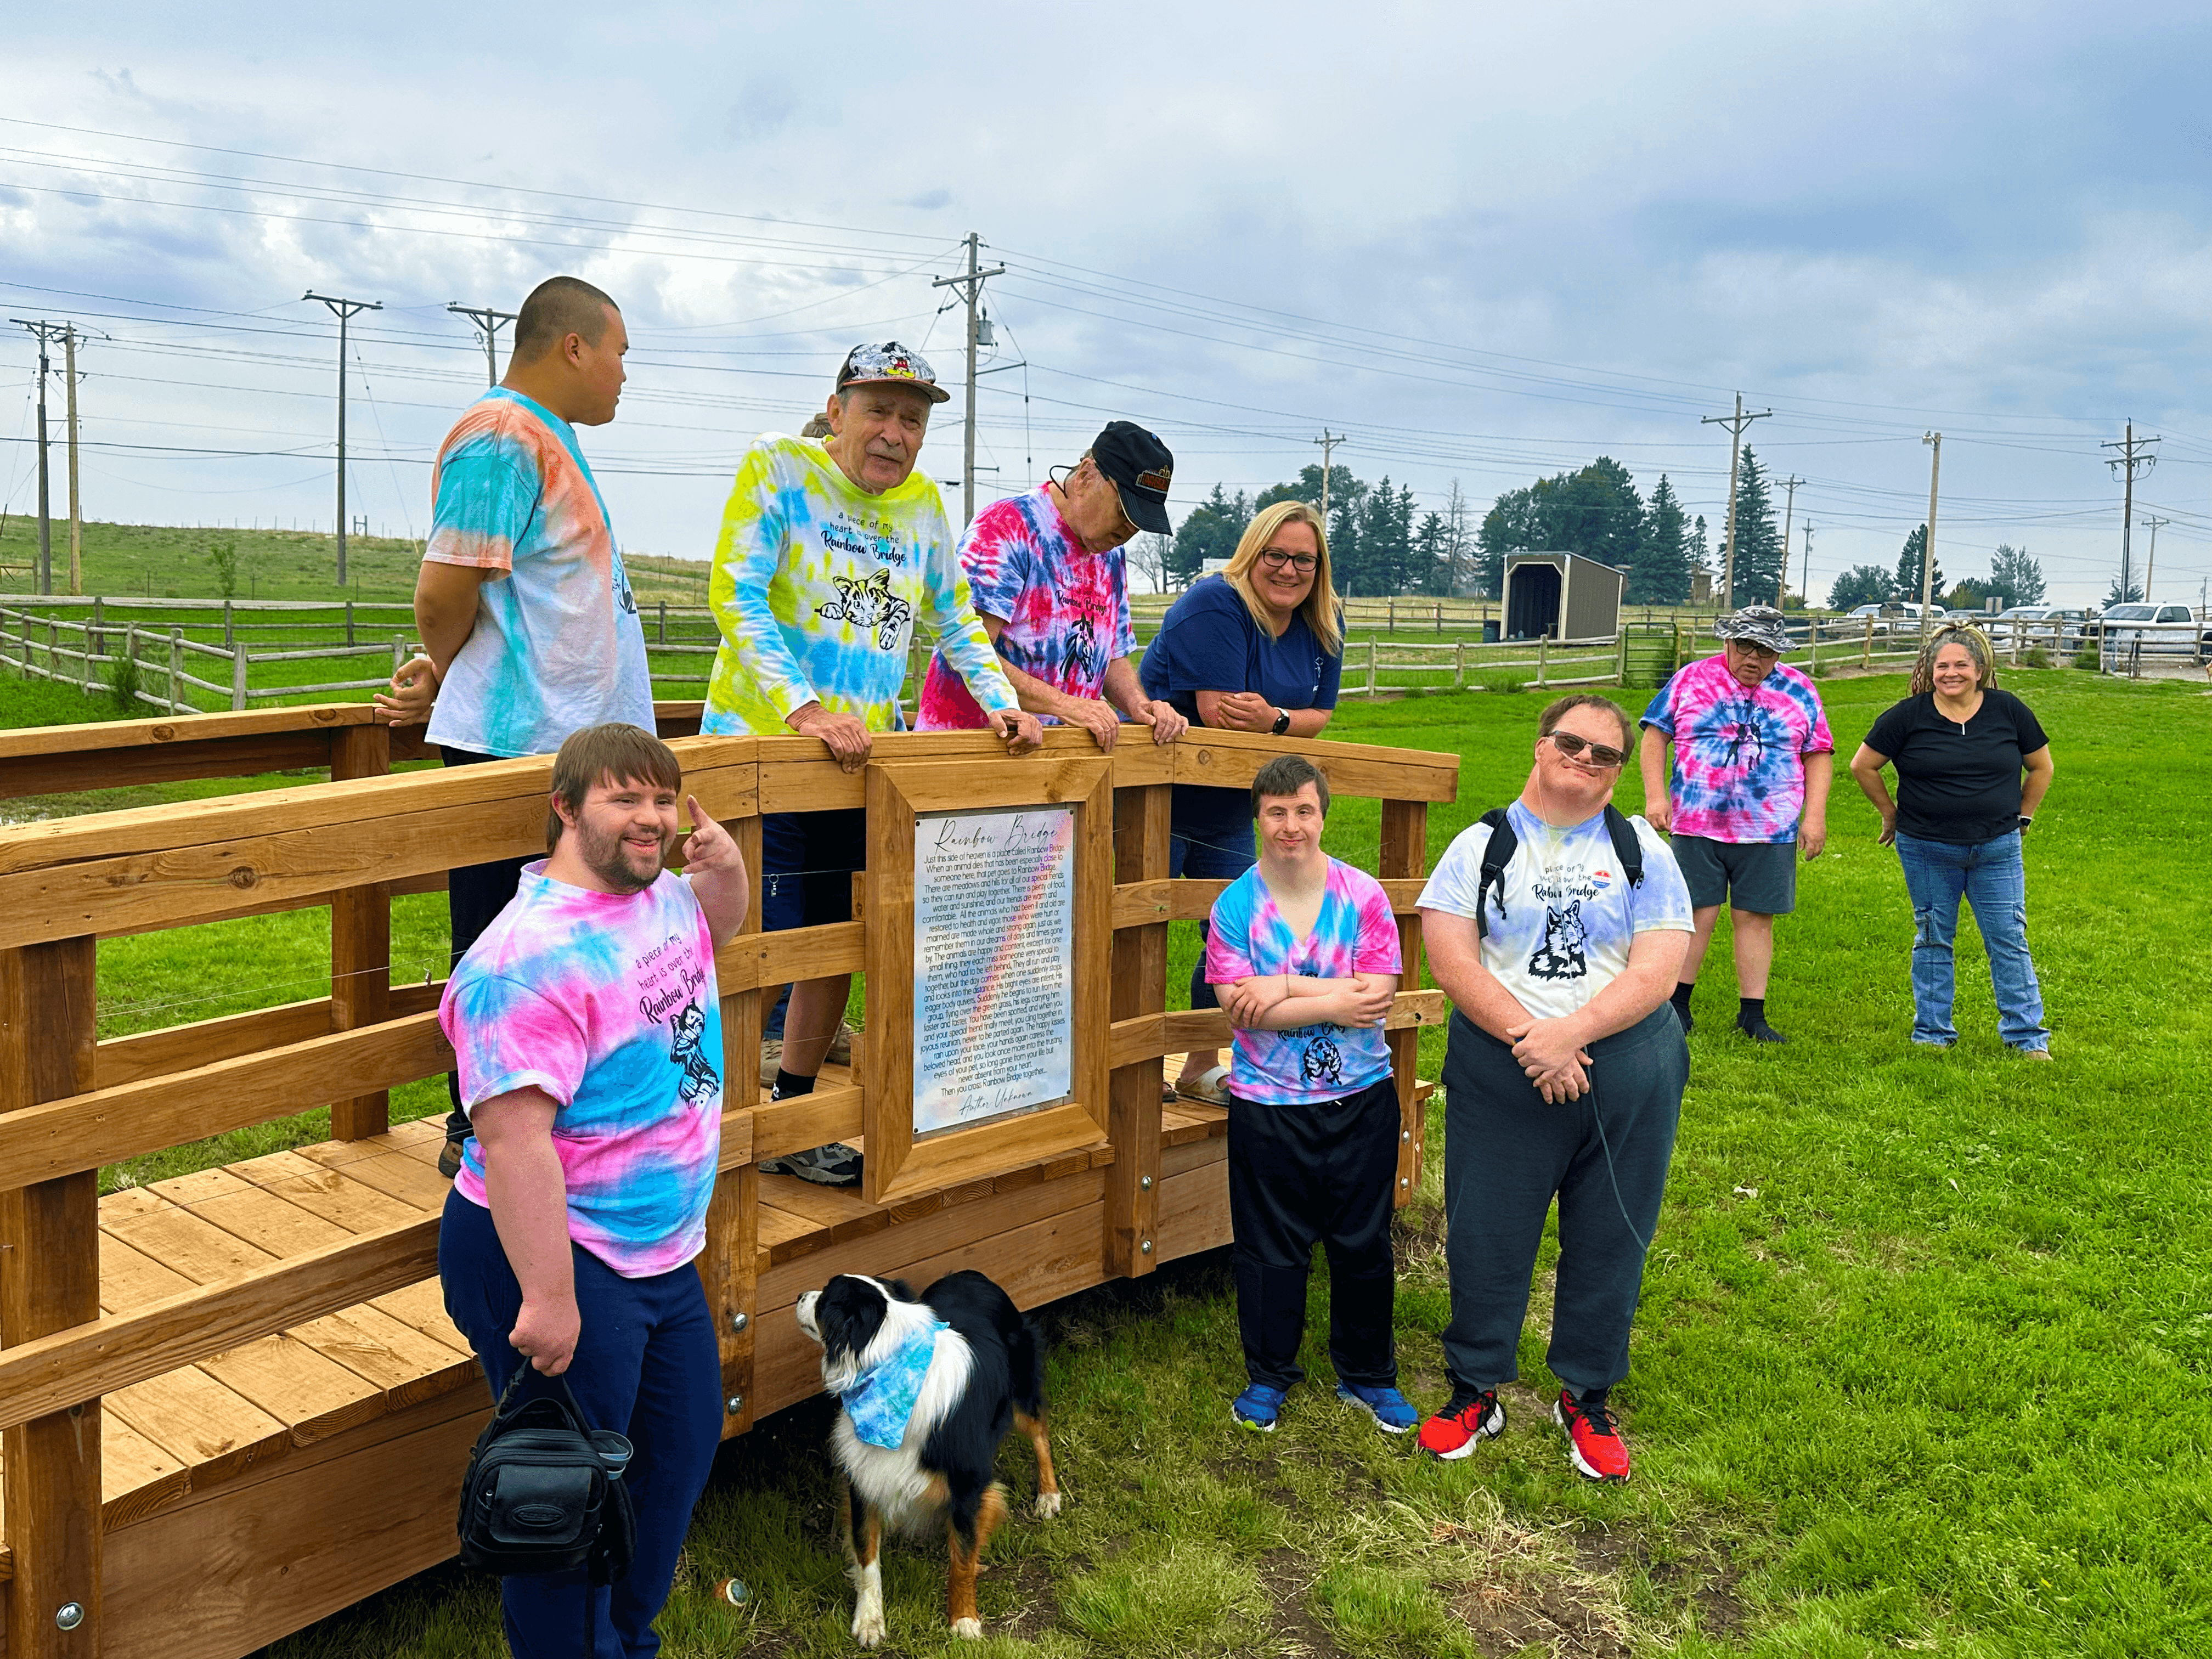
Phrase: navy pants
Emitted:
{"points": [[645, 1366], [1205, 844], [1508, 1155], [475, 895], [1299, 1174]]}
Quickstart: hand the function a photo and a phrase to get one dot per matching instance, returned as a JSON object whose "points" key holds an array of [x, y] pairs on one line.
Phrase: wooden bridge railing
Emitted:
{"points": [[70, 1102]]}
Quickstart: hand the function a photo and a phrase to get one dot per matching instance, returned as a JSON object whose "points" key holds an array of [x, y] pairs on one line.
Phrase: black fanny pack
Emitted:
{"points": [[544, 1492]]}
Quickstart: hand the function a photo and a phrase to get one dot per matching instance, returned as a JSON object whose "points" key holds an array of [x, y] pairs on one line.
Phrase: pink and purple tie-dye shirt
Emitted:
{"points": [[1739, 754], [606, 1001], [1353, 934], [556, 645], [1067, 612]]}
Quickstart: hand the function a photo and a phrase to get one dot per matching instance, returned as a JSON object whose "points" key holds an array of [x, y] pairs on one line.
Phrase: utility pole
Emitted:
{"points": [[1805, 579], [969, 282], [344, 310], [76, 512], [488, 323], [1928, 541], [2151, 521], [1735, 423], [44, 332], [1327, 444], [1789, 511], [2135, 454]]}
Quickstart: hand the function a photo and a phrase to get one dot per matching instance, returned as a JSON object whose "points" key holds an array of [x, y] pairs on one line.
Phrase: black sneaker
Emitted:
{"points": [[449, 1158], [1756, 1028], [834, 1166]]}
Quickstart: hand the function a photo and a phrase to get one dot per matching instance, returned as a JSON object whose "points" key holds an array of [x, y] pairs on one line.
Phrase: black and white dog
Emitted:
{"points": [[929, 1387]]}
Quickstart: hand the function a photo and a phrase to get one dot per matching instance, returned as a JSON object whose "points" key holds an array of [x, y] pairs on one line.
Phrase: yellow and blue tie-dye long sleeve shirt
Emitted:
{"points": [[816, 587]]}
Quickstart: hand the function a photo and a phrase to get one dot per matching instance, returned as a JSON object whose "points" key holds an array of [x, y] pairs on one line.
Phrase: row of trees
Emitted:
{"points": [[1597, 513], [2015, 578], [1377, 541]]}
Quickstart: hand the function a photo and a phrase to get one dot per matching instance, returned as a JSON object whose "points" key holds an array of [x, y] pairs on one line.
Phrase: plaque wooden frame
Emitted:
{"points": [[897, 1166]]}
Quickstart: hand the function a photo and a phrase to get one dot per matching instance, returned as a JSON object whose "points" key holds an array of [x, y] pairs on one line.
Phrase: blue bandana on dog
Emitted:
{"points": [[882, 1400]]}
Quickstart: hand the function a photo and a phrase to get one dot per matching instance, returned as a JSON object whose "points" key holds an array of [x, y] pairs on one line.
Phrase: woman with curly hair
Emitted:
{"points": [[1973, 764]]}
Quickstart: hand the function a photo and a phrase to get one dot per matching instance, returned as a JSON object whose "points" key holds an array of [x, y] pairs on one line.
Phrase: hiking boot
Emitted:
{"points": [[1392, 1412], [1453, 1433], [834, 1166], [1755, 1027], [1257, 1407], [449, 1158], [1594, 1444]]}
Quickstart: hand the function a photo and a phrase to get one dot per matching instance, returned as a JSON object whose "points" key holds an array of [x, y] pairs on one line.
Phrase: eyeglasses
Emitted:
{"points": [[1276, 559], [1600, 754]]}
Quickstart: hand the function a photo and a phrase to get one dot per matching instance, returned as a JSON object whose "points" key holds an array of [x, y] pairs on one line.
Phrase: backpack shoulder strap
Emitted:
{"points": [[1496, 855], [1625, 847]]}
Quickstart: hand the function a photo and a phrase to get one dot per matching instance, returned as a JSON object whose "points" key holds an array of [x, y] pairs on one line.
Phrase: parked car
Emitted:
{"points": [[2058, 627], [2128, 631]]}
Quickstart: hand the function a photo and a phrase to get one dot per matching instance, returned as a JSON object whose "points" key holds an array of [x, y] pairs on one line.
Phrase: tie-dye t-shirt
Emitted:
{"points": [[556, 645], [817, 586], [607, 1002], [1739, 754], [1353, 934], [1066, 612]]}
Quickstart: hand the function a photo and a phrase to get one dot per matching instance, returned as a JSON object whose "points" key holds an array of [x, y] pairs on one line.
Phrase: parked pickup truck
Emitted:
{"points": [[2127, 632], [2056, 627]]}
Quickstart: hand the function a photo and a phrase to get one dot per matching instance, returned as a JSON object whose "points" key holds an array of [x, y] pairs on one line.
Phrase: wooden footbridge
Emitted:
{"points": [[232, 1402]]}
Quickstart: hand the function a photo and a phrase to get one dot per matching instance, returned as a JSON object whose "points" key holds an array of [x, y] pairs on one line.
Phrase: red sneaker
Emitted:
{"points": [[1594, 1444], [1451, 1434]]}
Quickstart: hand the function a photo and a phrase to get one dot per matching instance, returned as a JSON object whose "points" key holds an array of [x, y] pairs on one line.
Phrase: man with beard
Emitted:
{"points": [[586, 1029]]}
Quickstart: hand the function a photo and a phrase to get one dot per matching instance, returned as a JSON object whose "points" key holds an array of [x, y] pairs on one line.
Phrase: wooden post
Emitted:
{"points": [[1621, 668], [229, 629], [729, 1267], [664, 622], [176, 667], [1405, 854], [1813, 645], [1543, 658], [1393, 623], [1459, 666], [1370, 665], [50, 1280], [130, 651], [238, 677], [1866, 651], [361, 940], [1139, 987], [349, 605]]}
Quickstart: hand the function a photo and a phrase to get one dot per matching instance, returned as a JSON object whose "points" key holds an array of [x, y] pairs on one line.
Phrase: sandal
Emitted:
{"points": [[1210, 1086]]}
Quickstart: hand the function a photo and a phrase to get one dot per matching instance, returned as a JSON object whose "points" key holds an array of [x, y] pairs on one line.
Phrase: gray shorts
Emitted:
{"points": [[1757, 876]]}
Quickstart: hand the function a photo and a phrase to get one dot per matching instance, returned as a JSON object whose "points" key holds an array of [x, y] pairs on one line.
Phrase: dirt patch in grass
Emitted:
{"points": [[1287, 1576]]}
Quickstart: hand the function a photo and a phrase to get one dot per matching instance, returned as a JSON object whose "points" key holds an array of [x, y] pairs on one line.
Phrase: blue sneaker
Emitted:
{"points": [[1258, 1407], [1392, 1412]]}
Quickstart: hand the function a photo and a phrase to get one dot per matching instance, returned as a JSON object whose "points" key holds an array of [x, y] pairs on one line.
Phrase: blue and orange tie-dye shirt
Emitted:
{"points": [[607, 1002], [556, 645], [1067, 612], [816, 587], [1740, 754], [1353, 934]]}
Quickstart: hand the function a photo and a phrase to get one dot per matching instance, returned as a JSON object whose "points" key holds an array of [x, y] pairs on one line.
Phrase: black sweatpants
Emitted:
{"points": [[1301, 1173], [475, 895], [1507, 1155]]}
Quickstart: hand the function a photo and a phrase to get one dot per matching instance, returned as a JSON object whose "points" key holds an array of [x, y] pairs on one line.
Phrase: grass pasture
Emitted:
{"points": [[1922, 1363]]}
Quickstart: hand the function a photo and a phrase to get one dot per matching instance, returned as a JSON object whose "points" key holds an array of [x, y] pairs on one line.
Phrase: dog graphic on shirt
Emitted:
{"points": [[1558, 954], [870, 604], [1321, 1062], [699, 1078]]}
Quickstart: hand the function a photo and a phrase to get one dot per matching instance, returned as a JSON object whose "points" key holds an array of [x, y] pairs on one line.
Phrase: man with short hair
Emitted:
{"points": [[525, 610], [1556, 926], [1303, 951], [829, 553], [586, 1027], [1753, 764], [1048, 573]]}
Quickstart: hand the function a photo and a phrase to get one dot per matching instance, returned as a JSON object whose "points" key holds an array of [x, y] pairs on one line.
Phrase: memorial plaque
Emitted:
{"points": [[993, 959]]}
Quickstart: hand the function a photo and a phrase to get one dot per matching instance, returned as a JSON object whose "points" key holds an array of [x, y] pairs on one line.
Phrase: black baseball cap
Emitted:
{"points": [[1140, 466]]}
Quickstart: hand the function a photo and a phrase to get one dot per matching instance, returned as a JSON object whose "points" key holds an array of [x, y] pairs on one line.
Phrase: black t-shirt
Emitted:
{"points": [[1958, 784]]}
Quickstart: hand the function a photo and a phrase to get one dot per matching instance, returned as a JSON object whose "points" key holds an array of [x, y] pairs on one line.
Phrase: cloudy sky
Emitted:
{"points": [[1485, 242]]}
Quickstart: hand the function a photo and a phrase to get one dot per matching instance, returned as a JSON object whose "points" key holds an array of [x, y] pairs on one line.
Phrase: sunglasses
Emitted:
{"points": [[1600, 754]]}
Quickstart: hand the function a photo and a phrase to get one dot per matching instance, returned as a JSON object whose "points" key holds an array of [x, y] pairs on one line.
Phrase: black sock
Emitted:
{"points": [[789, 1084], [1750, 1009], [1681, 997]]}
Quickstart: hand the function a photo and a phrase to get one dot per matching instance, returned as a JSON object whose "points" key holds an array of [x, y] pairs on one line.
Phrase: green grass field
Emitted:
{"points": [[1921, 1365]]}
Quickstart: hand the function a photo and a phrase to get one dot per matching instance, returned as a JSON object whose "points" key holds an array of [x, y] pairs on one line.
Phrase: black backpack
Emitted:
{"points": [[1504, 843], [544, 1493]]}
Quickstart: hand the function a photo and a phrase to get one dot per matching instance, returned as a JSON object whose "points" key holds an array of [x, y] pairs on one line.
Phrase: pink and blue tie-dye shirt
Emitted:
{"points": [[1353, 934], [606, 1001], [556, 645], [1738, 754], [1067, 612]]}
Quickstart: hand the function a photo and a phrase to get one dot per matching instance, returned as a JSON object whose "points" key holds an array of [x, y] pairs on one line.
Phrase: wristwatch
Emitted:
{"points": [[1282, 722]]}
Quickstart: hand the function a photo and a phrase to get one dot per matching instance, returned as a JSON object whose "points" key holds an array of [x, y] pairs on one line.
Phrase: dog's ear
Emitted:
{"points": [[899, 1290], [850, 1312]]}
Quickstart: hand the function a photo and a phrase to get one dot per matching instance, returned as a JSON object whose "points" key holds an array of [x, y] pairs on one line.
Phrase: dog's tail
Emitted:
{"points": [[1025, 1365]]}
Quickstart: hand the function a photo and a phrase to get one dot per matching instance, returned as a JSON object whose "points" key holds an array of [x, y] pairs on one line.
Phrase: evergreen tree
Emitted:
{"points": [[1759, 554], [2017, 576], [2131, 594], [1908, 569], [1512, 526], [1661, 575], [1347, 502], [1210, 533], [1701, 552]]}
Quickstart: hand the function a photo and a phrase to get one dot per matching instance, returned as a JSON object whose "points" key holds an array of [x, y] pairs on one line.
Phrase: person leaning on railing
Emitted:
{"points": [[527, 615], [1259, 648], [1973, 764]]}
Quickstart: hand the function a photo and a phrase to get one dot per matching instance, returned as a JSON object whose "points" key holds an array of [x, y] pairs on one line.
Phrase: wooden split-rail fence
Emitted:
{"points": [[231, 1402]]}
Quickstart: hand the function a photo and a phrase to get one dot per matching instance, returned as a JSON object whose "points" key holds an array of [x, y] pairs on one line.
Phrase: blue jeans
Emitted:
{"points": [[1208, 850], [1988, 875], [647, 1366]]}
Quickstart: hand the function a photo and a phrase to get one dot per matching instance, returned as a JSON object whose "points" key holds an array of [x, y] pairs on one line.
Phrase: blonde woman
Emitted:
{"points": [[1257, 648], [1973, 764]]}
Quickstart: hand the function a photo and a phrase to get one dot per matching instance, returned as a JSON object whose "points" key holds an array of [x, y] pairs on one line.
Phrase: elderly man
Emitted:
{"points": [[1753, 764], [830, 552], [1049, 581]]}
